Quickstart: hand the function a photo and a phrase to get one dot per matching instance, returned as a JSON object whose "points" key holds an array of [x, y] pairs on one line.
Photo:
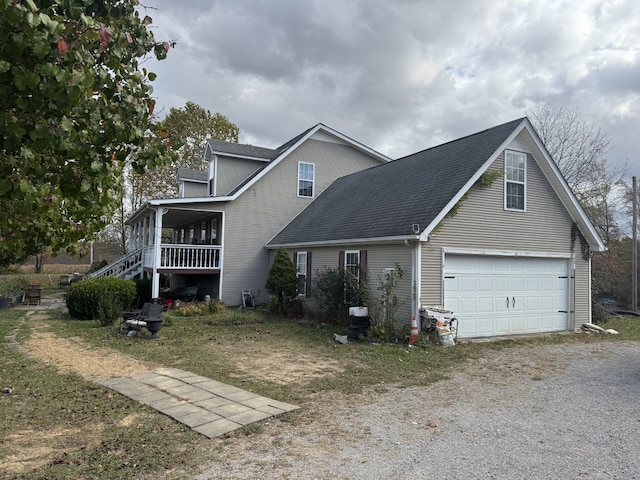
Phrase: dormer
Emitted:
{"points": [[230, 164], [191, 183]]}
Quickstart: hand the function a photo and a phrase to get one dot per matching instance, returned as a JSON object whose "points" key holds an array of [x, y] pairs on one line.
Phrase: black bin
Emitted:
{"points": [[359, 322]]}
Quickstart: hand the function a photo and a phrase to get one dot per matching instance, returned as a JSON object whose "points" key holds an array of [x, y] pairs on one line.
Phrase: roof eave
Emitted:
{"points": [[346, 242]]}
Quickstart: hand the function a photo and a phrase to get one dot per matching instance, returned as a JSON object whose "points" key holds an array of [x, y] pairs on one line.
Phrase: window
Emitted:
{"points": [[352, 263], [515, 169], [306, 179], [301, 270]]}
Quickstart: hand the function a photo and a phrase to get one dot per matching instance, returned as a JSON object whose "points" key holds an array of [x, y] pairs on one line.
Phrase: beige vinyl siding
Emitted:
{"points": [[265, 208], [232, 171], [379, 257], [195, 190], [482, 223]]}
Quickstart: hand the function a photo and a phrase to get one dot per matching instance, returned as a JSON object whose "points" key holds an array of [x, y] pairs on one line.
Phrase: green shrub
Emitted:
{"points": [[198, 309], [107, 309], [86, 298], [599, 313], [336, 290], [216, 306], [282, 281]]}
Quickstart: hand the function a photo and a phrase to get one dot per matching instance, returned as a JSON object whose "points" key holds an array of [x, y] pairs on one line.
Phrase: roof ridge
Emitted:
{"points": [[481, 132]]}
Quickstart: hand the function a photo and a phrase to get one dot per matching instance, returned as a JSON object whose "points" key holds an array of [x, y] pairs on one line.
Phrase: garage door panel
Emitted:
{"points": [[531, 284], [500, 284], [467, 284], [546, 303], [506, 295], [500, 326], [532, 304], [485, 305], [485, 283], [485, 326], [516, 284], [533, 323]]}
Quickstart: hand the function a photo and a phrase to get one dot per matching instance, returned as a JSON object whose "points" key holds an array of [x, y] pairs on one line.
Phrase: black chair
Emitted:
{"points": [[150, 317]]}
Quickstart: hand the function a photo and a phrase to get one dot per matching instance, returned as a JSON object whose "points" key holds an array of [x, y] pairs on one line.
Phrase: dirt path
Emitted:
{"points": [[73, 356]]}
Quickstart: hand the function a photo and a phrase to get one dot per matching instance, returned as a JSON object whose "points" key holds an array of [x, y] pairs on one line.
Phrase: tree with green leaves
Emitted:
{"points": [[282, 281], [76, 108], [190, 127]]}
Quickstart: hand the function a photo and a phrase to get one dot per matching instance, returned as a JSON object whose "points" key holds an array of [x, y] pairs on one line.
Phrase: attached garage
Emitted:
{"points": [[508, 295]]}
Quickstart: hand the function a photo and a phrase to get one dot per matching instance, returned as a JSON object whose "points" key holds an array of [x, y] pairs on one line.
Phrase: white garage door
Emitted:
{"points": [[506, 295]]}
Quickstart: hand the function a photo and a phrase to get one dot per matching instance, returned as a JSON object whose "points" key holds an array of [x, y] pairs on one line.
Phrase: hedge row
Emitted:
{"points": [[100, 299]]}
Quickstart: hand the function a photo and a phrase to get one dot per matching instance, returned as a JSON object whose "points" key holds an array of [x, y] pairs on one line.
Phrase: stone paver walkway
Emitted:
{"points": [[207, 406]]}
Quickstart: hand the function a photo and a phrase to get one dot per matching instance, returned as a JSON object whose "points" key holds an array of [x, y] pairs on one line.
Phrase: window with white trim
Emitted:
{"points": [[352, 262], [515, 177], [301, 271], [306, 179]]}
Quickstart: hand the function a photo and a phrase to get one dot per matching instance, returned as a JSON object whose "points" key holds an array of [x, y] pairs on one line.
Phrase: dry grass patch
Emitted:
{"points": [[284, 368], [31, 449]]}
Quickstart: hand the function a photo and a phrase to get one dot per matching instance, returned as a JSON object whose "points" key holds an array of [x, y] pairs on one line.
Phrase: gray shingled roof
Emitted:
{"points": [[220, 146], [191, 174], [386, 200]]}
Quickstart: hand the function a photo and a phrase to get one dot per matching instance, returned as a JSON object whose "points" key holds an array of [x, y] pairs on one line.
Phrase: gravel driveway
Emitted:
{"points": [[546, 411]]}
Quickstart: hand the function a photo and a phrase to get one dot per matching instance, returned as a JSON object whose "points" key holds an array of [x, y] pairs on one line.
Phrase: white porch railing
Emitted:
{"points": [[190, 257], [172, 257], [125, 267]]}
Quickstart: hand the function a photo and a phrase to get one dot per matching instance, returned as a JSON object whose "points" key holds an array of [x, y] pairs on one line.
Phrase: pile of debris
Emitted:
{"points": [[593, 328]]}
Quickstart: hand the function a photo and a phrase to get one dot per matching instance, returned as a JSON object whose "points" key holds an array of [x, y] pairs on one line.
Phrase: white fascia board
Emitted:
{"points": [[191, 180], [346, 242], [168, 202], [456, 198], [236, 155]]}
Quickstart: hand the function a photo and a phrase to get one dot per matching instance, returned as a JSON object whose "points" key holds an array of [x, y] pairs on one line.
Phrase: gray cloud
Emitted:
{"points": [[400, 76]]}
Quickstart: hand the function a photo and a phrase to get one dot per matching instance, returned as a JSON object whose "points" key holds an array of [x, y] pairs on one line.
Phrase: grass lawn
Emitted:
{"points": [[72, 428]]}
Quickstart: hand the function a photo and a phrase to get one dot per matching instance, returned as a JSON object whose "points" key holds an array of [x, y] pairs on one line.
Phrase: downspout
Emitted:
{"points": [[416, 284], [222, 236]]}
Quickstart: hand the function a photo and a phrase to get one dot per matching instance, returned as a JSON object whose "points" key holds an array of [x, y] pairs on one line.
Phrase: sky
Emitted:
{"points": [[401, 75]]}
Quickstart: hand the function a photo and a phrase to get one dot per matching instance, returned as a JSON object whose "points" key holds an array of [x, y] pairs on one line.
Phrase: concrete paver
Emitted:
{"points": [[207, 406]]}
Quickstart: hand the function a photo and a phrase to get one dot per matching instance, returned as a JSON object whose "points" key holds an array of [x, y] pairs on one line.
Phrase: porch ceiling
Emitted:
{"points": [[177, 217]]}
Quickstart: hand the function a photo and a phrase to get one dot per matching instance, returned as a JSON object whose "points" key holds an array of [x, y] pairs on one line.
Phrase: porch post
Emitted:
{"points": [[145, 231], [130, 245], [151, 225], [155, 276]]}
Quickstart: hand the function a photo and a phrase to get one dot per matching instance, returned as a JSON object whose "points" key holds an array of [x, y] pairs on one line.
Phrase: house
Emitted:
{"points": [[484, 225], [213, 235]]}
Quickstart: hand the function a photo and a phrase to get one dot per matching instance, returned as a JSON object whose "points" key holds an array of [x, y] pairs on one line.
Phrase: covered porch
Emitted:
{"points": [[180, 238]]}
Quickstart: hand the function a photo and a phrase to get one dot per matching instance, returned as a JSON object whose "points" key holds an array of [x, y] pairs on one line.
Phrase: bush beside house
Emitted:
{"points": [[101, 299]]}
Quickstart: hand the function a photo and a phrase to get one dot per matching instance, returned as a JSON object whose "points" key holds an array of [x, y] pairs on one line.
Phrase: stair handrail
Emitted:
{"points": [[120, 267]]}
